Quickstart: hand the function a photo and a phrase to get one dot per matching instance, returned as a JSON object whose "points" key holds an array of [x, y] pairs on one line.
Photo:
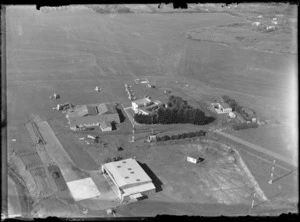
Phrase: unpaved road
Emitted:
{"points": [[14, 206], [258, 148]]}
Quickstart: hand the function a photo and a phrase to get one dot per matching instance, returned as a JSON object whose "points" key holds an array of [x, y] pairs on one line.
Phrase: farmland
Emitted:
{"points": [[72, 51]]}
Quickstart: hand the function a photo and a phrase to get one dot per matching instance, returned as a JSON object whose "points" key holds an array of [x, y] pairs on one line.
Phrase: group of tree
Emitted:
{"points": [[236, 107], [240, 126], [181, 136], [177, 110]]}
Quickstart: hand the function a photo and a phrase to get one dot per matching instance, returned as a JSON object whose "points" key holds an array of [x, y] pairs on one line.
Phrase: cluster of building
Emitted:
{"points": [[84, 116], [222, 107], [145, 106]]}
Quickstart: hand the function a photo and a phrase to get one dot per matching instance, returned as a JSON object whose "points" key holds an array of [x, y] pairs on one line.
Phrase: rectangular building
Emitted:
{"points": [[128, 179]]}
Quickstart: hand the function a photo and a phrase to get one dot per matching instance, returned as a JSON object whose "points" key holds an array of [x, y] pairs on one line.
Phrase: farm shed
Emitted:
{"points": [[105, 126], [128, 179]]}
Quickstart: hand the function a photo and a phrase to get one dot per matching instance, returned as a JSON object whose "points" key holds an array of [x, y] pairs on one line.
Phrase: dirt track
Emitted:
{"points": [[259, 149]]}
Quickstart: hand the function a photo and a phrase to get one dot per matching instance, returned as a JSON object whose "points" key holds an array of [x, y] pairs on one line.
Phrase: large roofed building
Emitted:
{"points": [[92, 115], [128, 179]]}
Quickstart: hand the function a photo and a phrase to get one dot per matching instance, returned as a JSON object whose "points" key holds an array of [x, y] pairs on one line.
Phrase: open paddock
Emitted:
{"points": [[71, 52]]}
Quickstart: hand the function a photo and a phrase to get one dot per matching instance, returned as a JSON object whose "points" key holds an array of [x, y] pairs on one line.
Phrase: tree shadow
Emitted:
{"points": [[121, 115], [157, 183]]}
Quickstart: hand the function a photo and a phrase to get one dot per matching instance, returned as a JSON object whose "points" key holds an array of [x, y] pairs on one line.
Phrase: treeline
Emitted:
{"points": [[176, 111], [240, 126], [236, 107], [181, 136]]}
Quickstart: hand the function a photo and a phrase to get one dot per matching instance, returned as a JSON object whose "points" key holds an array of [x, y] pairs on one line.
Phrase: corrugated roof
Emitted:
{"points": [[104, 108], [127, 172], [224, 105], [81, 110], [105, 124], [92, 110], [142, 101]]}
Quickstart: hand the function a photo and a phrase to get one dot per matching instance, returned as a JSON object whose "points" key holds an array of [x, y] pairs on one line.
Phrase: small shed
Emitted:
{"points": [[105, 126]]}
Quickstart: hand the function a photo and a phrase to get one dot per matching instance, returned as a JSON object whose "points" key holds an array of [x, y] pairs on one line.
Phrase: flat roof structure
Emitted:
{"points": [[83, 189], [142, 101], [128, 178]]}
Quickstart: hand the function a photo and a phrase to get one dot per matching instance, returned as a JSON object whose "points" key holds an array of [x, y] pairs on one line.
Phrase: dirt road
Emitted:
{"points": [[258, 148], [14, 205]]}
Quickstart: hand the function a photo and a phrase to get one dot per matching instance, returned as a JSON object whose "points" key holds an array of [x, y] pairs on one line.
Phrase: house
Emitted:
{"points": [[222, 107], [128, 179], [105, 126], [143, 102]]}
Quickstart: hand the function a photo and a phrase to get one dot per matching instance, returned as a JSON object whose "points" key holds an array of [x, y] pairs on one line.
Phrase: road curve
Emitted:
{"points": [[258, 148]]}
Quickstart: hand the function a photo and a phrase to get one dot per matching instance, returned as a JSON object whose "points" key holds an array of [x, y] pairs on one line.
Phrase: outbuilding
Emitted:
{"points": [[105, 126], [128, 179]]}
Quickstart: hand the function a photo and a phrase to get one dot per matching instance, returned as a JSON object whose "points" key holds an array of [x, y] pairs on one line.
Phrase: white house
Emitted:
{"points": [[140, 103], [222, 107]]}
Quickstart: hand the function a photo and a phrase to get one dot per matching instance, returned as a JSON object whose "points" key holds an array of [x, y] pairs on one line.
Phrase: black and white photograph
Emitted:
{"points": [[139, 110]]}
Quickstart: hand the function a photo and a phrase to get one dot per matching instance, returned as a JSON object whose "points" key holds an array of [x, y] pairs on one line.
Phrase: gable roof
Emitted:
{"points": [[81, 110], [92, 110], [224, 105], [127, 172], [105, 124], [104, 108]]}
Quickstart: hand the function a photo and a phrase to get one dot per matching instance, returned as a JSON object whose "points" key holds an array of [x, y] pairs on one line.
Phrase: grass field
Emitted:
{"points": [[70, 52]]}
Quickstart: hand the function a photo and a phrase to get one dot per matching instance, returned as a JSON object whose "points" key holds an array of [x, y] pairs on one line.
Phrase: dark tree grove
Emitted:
{"points": [[178, 111]]}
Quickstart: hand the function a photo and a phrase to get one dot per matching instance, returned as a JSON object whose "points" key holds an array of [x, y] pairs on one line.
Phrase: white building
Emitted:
{"points": [[140, 103], [231, 115], [222, 107], [128, 179]]}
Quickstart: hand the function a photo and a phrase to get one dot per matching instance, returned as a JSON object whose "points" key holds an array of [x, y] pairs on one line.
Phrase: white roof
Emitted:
{"points": [[83, 189], [127, 172], [138, 189], [142, 101]]}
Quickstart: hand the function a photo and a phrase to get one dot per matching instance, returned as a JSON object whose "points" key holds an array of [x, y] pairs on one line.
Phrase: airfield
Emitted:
{"points": [[73, 50]]}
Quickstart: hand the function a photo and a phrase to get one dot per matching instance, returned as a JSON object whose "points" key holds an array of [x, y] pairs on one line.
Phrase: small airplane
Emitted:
{"points": [[55, 96], [98, 88]]}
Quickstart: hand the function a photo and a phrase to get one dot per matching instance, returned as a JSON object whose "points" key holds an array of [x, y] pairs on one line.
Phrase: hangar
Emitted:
{"points": [[128, 179]]}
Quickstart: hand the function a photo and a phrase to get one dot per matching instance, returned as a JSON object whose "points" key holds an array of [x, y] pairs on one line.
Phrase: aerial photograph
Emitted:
{"points": [[139, 110]]}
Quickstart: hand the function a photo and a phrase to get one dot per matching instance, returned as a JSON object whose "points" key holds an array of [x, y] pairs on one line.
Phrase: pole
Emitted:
{"points": [[132, 133], [272, 173], [252, 204]]}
